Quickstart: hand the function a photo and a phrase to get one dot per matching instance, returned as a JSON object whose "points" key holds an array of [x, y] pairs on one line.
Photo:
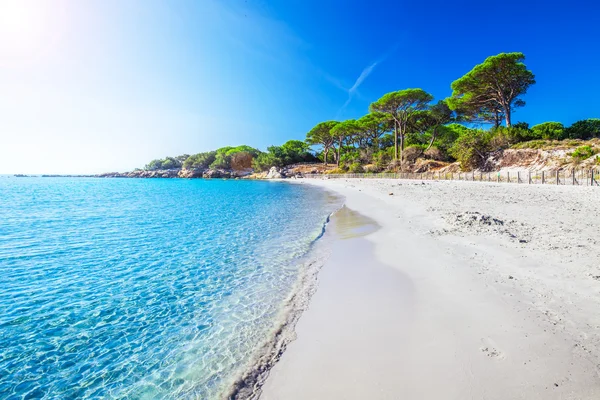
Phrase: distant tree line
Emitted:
{"points": [[406, 125], [239, 158]]}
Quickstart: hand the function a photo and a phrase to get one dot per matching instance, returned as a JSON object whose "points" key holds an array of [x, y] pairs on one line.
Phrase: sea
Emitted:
{"points": [[146, 288]]}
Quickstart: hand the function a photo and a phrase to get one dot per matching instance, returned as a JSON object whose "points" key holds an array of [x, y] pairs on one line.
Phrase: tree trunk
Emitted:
{"points": [[325, 152], [432, 138], [395, 140], [401, 149], [496, 119], [507, 115], [339, 152]]}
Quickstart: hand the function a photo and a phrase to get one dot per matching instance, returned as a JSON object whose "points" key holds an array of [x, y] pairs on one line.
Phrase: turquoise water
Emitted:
{"points": [[127, 288]]}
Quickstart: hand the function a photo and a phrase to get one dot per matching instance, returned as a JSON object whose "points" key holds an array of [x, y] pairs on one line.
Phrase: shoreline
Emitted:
{"points": [[248, 385], [479, 309]]}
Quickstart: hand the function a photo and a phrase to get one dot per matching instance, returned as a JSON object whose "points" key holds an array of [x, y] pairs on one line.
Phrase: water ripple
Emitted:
{"points": [[143, 288]]}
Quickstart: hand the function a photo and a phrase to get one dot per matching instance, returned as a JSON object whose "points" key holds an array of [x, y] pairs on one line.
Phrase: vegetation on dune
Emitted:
{"points": [[406, 128]]}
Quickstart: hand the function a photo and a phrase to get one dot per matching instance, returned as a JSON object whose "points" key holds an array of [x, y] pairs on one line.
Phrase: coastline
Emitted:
{"points": [[252, 376], [461, 293]]}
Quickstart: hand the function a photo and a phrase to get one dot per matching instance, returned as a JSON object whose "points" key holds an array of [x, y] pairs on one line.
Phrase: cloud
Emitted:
{"points": [[364, 75]]}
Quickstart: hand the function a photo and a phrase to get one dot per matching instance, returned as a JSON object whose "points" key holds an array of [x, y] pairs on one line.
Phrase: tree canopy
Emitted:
{"points": [[492, 88], [321, 135], [402, 106]]}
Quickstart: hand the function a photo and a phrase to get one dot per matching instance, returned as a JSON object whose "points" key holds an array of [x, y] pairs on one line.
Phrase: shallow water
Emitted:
{"points": [[123, 288]]}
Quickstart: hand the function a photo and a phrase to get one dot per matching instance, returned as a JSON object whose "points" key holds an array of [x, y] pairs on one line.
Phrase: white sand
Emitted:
{"points": [[443, 302]]}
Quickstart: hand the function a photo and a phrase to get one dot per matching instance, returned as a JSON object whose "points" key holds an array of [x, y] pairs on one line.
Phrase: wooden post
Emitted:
{"points": [[557, 179], [518, 176], [543, 178], [508, 176], [529, 176], [573, 173]]}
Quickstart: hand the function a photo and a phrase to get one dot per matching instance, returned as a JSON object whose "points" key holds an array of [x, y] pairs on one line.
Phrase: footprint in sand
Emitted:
{"points": [[490, 349]]}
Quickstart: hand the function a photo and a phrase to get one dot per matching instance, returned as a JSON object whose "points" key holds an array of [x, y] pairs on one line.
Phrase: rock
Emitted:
{"points": [[390, 194], [191, 173], [216, 173], [275, 173], [242, 173]]}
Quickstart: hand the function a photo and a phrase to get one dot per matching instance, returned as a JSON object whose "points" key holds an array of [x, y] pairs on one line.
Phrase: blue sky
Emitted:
{"points": [[94, 86]]}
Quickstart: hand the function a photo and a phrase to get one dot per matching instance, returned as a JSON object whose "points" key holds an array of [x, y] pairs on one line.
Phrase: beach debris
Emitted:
{"points": [[511, 277], [390, 193]]}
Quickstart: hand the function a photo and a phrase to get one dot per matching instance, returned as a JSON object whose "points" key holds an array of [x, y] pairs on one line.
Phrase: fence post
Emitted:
{"points": [[557, 178], [529, 176], [543, 178], [518, 176], [508, 176], [573, 173]]}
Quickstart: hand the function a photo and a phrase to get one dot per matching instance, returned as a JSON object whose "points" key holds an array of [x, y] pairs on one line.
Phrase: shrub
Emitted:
{"points": [[433, 153], [548, 130], [200, 160], [471, 148], [584, 129], [382, 158], [584, 152], [355, 168], [411, 153]]}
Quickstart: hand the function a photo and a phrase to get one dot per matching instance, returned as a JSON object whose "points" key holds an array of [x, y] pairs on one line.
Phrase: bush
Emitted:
{"points": [[411, 153], [355, 168], [200, 160], [382, 158], [471, 148], [548, 131], [584, 129], [433, 153], [584, 152]]}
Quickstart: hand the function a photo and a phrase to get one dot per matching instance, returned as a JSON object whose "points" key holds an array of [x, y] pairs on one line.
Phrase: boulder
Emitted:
{"points": [[240, 173], [190, 173], [275, 173], [216, 173]]}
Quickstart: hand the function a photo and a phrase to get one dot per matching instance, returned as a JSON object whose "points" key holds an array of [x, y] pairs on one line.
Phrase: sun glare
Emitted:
{"points": [[27, 28]]}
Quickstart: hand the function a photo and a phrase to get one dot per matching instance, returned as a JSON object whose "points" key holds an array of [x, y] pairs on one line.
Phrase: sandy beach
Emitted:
{"points": [[452, 290]]}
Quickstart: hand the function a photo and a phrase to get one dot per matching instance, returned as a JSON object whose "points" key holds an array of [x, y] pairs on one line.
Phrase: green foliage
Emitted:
{"points": [[383, 158], [291, 152], [471, 148], [411, 153], [521, 125], [356, 168], [321, 135], [584, 129], [402, 106], [549, 131], [373, 126], [223, 157], [200, 160], [447, 135], [584, 152], [165, 163], [492, 88]]}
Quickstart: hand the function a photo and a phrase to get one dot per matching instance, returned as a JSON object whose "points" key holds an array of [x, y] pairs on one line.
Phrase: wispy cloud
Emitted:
{"points": [[363, 76]]}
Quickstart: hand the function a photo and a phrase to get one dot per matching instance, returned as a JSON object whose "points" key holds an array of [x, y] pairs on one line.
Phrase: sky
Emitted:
{"points": [[108, 85]]}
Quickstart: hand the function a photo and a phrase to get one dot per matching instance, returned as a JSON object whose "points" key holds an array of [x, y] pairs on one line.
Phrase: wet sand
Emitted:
{"points": [[406, 310]]}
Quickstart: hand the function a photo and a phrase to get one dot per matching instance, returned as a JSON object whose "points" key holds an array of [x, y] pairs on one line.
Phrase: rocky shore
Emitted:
{"points": [[273, 173]]}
